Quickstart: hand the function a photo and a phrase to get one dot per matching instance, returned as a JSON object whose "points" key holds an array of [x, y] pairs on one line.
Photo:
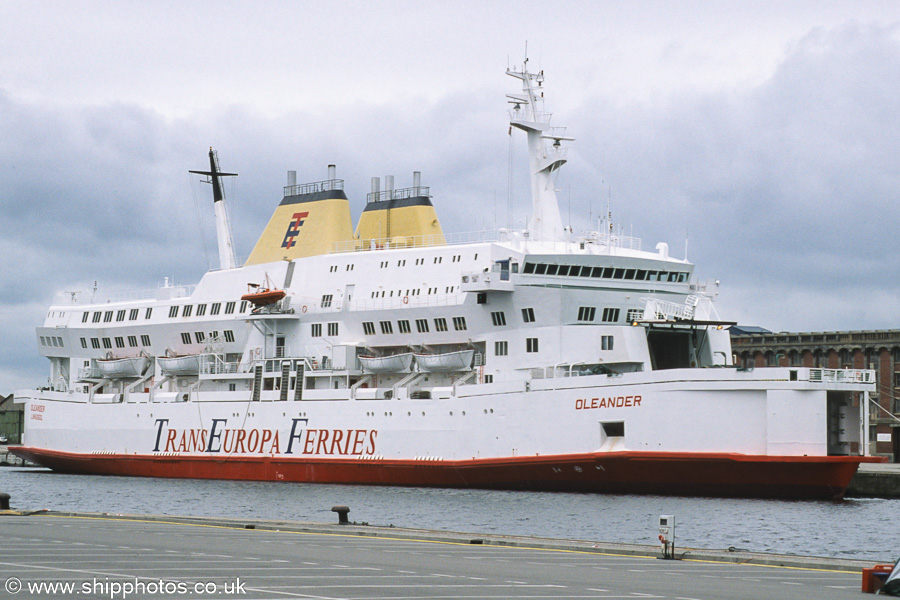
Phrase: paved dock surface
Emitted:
{"points": [[165, 557]]}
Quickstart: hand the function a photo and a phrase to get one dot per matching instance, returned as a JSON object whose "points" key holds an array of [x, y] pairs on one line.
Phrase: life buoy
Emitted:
{"points": [[405, 299], [303, 309]]}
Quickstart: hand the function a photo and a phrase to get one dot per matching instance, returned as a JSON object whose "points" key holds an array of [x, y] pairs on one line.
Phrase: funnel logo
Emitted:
{"points": [[293, 229]]}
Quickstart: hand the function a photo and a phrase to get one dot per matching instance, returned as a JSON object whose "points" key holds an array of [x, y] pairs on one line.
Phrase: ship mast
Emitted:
{"points": [[223, 227], [545, 159]]}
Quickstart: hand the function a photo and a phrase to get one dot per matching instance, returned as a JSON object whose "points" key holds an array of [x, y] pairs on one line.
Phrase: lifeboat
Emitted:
{"points": [[263, 296], [444, 363], [184, 365], [395, 363], [123, 368]]}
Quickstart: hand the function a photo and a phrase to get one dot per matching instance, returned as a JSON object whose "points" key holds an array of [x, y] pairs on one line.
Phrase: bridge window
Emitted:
{"points": [[586, 313], [610, 315]]}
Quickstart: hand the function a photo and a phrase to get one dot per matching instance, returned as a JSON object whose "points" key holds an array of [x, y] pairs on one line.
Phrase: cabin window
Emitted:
{"points": [[614, 429], [173, 312], [606, 342], [95, 343], [422, 325], [369, 328], [586, 313], [531, 344], [459, 323], [107, 343], [403, 326], [528, 315], [120, 315], [120, 342], [214, 336], [215, 308], [440, 324], [438, 259], [107, 317], [132, 341], [229, 308], [185, 337], [386, 327], [498, 318], [97, 316], [199, 336], [634, 314], [84, 317], [133, 314], [610, 315], [243, 306], [489, 379], [229, 335], [186, 311], [316, 330], [84, 342], [501, 348], [332, 329], [148, 313], [201, 310], [326, 300]]}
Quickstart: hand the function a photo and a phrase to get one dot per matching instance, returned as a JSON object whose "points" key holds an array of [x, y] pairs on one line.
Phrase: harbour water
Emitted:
{"points": [[853, 528]]}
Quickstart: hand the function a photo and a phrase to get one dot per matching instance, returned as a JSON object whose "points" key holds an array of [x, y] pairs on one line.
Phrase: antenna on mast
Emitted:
{"points": [[223, 227]]}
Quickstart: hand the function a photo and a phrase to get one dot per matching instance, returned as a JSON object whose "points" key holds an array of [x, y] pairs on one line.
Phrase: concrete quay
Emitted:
{"points": [[875, 480], [129, 556]]}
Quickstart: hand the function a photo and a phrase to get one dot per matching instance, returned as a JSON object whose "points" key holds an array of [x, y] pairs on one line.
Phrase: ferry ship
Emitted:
{"points": [[396, 354]]}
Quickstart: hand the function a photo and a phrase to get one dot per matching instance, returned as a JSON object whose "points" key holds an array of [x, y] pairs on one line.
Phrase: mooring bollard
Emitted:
{"points": [[342, 511], [4, 501]]}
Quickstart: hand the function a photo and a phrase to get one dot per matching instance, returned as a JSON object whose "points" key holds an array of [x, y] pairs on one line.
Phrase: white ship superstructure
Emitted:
{"points": [[395, 353]]}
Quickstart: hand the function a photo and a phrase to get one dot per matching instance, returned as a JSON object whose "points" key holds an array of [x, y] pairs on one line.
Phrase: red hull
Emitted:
{"points": [[691, 474]]}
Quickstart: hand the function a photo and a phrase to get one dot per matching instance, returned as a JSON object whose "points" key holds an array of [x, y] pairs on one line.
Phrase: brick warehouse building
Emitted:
{"points": [[878, 350]]}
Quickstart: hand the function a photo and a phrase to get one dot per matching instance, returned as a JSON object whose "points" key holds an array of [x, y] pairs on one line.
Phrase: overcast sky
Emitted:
{"points": [[761, 136]]}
